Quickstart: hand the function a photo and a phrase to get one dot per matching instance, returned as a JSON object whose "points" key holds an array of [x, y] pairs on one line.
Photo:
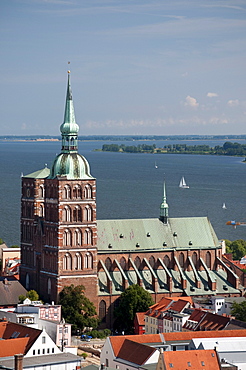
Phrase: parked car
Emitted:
{"points": [[86, 337]]}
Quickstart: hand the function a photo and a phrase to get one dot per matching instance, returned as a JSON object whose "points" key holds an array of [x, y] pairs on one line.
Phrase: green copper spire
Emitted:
{"points": [[69, 129], [164, 206], [69, 164]]}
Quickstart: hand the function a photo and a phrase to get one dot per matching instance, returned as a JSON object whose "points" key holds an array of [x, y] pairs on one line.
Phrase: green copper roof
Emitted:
{"points": [[152, 234], [69, 163], [73, 166], [40, 174], [69, 125]]}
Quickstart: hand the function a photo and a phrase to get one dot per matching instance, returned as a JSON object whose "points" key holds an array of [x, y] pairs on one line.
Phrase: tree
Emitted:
{"points": [[32, 295], [237, 248], [239, 310], [77, 309], [133, 299]]}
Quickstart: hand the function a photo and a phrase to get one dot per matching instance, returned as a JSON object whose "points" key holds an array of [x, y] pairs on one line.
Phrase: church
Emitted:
{"points": [[63, 243]]}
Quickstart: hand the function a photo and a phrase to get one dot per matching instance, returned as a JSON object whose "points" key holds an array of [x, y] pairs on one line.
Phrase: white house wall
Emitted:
{"points": [[44, 345]]}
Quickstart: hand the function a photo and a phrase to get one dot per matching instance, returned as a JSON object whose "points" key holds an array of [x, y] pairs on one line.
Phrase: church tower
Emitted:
{"points": [[58, 220]]}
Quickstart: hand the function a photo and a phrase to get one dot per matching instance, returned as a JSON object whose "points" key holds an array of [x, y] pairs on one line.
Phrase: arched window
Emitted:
{"points": [[88, 213], [137, 262], [67, 262], [167, 261], [77, 193], [88, 261], [88, 192], [27, 281], [181, 260], [41, 191], [87, 237], [77, 214], [194, 258], [66, 214], [49, 286], [208, 260], [102, 311], [108, 263], [152, 261], [41, 210], [66, 194], [123, 263], [66, 238], [77, 237], [78, 262]]}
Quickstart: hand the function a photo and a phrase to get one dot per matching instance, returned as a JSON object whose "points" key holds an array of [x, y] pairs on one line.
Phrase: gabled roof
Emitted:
{"points": [[40, 174], [207, 321], [10, 347], [187, 336], [140, 318], [195, 359], [136, 353], [10, 331], [149, 234], [117, 341], [10, 290]]}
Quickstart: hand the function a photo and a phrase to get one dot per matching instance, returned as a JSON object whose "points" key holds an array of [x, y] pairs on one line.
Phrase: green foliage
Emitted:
{"points": [[99, 333], [32, 295], [14, 246], [237, 248], [133, 299], [239, 310], [84, 355], [77, 309], [1, 241]]}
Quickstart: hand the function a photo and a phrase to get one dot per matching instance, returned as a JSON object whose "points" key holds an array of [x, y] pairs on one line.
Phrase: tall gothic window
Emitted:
{"points": [[137, 262], [66, 194], [78, 261], [123, 263], [77, 214], [88, 261], [49, 286], [66, 214], [152, 261], [108, 263], [208, 260], [87, 237], [167, 261], [102, 311], [77, 237], [181, 260], [88, 192], [67, 262], [194, 259], [66, 238]]}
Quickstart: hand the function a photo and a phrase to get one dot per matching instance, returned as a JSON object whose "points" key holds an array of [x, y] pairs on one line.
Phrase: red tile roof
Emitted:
{"points": [[10, 331], [188, 335], [195, 359], [11, 347], [117, 342], [135, 352], [140, 318]]}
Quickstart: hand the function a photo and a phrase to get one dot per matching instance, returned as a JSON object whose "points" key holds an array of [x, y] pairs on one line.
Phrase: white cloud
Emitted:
{"points": [[211, 95], [191, 102], [233, 103]]}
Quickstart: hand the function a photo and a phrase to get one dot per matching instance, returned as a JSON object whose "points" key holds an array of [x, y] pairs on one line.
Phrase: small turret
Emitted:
{"points": [[164, 206]]}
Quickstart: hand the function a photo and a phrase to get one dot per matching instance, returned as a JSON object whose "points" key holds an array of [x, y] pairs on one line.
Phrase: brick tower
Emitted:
{"points": [[58, 220]]}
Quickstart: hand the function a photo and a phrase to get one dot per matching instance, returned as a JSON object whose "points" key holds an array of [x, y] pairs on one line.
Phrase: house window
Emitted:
{"points": [[53, 350], [43, 340], [33, 352], [38, 351], [189, 364], [48, 350], [203, 363], [106, 362], [43, 351]]}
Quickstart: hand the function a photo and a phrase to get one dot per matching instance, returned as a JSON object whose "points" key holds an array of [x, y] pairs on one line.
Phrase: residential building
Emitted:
{"points": [[10, 290]]}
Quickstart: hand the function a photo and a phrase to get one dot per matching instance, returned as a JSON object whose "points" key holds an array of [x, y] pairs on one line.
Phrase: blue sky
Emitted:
{"points": [[137, 67]]}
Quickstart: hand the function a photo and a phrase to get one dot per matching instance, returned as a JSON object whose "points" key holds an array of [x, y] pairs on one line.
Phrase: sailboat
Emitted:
{"points": [[183, 184], [156, 165], [224, 206]]}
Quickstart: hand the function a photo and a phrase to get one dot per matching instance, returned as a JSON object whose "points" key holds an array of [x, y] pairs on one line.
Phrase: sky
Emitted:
{"points": [[138, 67]]}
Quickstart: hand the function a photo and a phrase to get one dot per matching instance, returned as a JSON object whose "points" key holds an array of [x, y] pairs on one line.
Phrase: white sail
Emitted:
{"points": [[224, 206], [156, 165], [183, 184]]}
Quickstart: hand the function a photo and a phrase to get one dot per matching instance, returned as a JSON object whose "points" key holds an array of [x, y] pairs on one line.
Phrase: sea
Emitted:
{"points": [[130, 186]]}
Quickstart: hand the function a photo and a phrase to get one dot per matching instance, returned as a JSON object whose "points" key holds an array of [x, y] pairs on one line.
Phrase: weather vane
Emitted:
{"points": [[68, 70]]}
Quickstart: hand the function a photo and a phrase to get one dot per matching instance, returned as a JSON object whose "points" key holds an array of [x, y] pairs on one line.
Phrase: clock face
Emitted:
{"points": [[28, 193]]}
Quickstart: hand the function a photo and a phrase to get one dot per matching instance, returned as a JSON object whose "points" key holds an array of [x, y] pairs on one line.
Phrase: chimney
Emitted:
{"points": [[19, 362]]}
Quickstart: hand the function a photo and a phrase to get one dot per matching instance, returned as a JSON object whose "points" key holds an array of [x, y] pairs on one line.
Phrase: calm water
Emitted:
{"points": [[129, 185]]}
